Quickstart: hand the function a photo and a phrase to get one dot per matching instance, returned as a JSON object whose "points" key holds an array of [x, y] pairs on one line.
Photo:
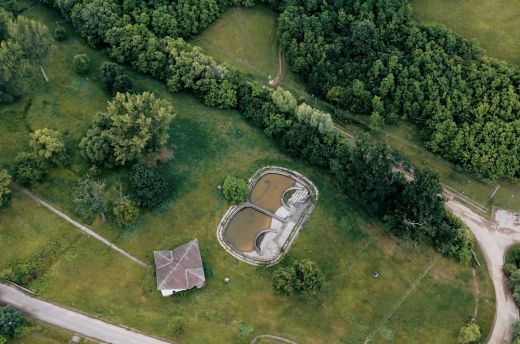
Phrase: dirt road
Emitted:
{"points": [[493, 241]]}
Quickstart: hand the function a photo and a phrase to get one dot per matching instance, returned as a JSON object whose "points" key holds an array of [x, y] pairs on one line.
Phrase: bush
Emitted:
{"points": [[10, 320], [29, 169], [125, 212], [469, 334], [516, 333], [5, 191], [235, 190], [81, 63], [149, 188], [59, 34], [303, 277], [115, 79]]}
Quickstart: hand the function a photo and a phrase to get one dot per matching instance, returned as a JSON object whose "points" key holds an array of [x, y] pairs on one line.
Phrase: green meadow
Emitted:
{"points": [[209, 144], [495, 24]]}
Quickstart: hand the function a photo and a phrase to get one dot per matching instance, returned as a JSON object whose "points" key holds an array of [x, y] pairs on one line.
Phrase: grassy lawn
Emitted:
{"points": [[37, 332], [234, 39], [493, 23], [208, 145]]}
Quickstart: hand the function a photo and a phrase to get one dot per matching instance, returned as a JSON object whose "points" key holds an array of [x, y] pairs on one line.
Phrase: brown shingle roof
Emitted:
{"points": [[180, 268]]}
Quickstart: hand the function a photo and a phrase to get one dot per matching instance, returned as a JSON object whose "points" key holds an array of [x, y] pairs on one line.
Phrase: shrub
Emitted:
{"points": [[10, 320], [149, 188], [48, 144], [235, 190], [115, 79], [59, 34], [81, 63], [303, 277], [125, 212], [469, 334], [29, 169], [5, 191], [516, 333]]}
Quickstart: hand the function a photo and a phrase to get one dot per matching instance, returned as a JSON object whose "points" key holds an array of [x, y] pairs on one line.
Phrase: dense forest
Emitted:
{"points": [[364, 171], [370, 57]]}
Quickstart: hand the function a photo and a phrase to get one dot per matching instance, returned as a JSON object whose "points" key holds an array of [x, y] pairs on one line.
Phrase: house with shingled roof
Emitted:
{"points": [[180, 269]]}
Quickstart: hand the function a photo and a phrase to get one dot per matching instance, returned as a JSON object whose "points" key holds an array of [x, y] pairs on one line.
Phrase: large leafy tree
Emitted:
{"points": [[148, 186], [34, 38], [134, 124], [14, 66], [366, 173], [29, 169], [90, 197], [48, 144], [420, 204], [115, 79], [302, 277], [235, 189]]}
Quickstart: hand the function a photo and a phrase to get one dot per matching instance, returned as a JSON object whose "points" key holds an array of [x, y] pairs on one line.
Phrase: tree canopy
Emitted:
{"points": [[48, 144], [133, 125], [303, 277], [370, 57], [148, 186], [235, 190], [10, 320]]}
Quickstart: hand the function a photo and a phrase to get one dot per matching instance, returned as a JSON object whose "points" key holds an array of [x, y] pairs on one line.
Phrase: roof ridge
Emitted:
{"points": [[189, 245]]}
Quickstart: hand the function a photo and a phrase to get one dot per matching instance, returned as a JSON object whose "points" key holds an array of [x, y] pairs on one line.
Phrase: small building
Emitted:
{"points": [[180, 269]]}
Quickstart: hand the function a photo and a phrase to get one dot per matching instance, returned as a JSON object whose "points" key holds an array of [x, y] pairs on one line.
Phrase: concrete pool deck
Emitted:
{"points": [[260, 230]]}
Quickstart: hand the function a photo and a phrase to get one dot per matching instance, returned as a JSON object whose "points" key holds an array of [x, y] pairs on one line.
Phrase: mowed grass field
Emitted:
{"points": [[208, 145], [495, 24]]}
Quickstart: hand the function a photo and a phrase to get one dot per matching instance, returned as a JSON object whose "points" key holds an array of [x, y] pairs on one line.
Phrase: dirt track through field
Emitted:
{"points": [[78, 225]]}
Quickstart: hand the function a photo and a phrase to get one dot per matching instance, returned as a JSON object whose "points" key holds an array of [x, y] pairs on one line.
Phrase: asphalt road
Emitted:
{"points": [[72, 321]]}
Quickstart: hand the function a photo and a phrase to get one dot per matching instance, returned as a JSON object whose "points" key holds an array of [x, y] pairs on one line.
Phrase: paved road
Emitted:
{"points": [[78, 225], [72, 321], [493, 241]]}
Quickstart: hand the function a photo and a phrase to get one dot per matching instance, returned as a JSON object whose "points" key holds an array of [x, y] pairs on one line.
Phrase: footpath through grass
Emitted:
{"points": [[494, 23], [208, 145], [246, 38]]}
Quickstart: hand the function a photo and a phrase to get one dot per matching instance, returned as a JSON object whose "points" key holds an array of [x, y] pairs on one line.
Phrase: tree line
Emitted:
{"points": [[364, 171], [371, 58]]}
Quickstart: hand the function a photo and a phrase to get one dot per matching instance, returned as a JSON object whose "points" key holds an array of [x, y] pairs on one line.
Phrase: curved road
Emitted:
{"points": [[72, 321], [493, 241]]}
